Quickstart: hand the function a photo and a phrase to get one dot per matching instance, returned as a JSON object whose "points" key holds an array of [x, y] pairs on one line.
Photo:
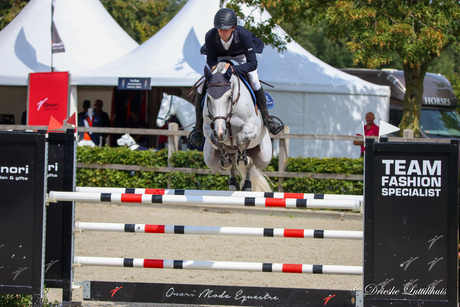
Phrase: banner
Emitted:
{"points": [[56, 41], [48, 96]]}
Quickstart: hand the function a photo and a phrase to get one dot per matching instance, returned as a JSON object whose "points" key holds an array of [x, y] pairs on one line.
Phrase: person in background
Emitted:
{"points": [[229, 41], [370, 129], [105, 120], [85, 107], [90, 119], [135, 121]]}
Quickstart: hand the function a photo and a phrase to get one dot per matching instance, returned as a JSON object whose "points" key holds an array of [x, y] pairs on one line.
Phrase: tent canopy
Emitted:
{"points": [[172, 58], [311, 96], [91, 38]]}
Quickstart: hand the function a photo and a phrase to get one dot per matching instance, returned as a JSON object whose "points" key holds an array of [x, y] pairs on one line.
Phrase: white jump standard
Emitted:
{"points": [[215, 230], [204, 200]]}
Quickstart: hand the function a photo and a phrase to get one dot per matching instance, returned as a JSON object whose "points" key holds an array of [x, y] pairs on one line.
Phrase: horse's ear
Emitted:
{"points": [[164, 95]]}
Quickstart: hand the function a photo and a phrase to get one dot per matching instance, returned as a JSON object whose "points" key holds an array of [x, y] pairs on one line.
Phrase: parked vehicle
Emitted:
{"points": [[438, 118]]}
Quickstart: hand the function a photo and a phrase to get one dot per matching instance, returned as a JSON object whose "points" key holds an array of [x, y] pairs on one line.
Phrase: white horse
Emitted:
{"points": [[179, 107], [236, 138]]}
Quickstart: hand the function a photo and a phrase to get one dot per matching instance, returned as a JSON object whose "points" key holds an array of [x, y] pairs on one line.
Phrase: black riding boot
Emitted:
{"points": [[196, 137], [273, 124]]}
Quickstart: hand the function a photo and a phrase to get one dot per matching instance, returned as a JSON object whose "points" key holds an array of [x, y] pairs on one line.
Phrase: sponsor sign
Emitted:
{"points": [[411, 210], [22, 213], [48, 96]]}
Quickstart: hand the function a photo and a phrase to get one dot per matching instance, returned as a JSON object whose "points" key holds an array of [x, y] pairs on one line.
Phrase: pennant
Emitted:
{"points": [[386, 128], [54, 124], [72, 120], [360, 131]]}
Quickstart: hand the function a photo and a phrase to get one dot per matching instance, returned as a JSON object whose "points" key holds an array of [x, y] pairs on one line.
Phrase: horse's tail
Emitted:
{"points": [[258, 179]]}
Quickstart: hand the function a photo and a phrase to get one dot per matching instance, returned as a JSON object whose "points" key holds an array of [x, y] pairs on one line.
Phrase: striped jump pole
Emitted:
{"points": [[204, 200], [217, 193], [219, 265], [214, 230]]}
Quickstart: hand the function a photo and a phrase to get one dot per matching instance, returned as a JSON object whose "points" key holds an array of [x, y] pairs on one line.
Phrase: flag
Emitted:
{"points": [[386, 128], [72, 120], [54, 124], [56, 43]]}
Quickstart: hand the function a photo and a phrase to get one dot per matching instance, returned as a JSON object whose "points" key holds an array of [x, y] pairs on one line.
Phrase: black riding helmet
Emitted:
{"points": [[225, 19]]}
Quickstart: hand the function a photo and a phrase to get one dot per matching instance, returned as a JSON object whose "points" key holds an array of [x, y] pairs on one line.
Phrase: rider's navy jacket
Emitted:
{"points": [[244, 42]]}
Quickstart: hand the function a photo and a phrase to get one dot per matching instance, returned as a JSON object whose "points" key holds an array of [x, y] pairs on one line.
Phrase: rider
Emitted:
{"points": [[229, 41]]}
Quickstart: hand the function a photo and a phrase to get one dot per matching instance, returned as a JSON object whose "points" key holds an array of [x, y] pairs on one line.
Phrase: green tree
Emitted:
{"points": [[9, 9], [141, 19], [412, 32]]}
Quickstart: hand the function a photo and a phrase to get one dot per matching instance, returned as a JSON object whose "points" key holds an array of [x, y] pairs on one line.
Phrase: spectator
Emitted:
{"points": [[370, 129], [90, 119], [86, 106], [136, 122], [105, 120]]}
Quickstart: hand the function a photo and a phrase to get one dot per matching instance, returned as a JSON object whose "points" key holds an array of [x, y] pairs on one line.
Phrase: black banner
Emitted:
{"points": [[214, 295], [22, 188], [411, 211]]}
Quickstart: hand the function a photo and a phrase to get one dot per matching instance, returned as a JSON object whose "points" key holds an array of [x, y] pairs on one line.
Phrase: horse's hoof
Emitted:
{"points": [[247, 186], [233, 184]]}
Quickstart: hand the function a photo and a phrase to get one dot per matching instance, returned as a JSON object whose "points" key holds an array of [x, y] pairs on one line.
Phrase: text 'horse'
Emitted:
{"points": [[236, 138]]}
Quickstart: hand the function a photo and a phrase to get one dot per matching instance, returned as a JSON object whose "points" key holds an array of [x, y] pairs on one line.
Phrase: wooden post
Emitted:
{"points": [[283, 155], [173, 146], [173, 141]]}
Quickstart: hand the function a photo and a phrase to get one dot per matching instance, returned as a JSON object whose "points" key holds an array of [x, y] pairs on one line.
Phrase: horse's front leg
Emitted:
{"points": [[247, 133]]}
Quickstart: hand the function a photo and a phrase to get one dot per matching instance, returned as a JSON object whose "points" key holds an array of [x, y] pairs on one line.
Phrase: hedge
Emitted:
{"points": [[194, 159]]}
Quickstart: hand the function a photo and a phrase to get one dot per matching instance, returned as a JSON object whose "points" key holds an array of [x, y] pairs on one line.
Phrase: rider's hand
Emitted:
{"points": [[229, 72]]}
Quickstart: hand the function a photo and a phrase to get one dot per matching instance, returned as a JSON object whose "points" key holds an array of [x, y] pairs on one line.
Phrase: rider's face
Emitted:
{"points": [[225, 34]]}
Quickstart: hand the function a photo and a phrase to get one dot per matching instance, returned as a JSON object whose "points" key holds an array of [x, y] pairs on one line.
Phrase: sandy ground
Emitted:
{"points": [[215, 248]]}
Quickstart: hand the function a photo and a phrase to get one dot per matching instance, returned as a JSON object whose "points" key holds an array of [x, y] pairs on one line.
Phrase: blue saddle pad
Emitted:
{"points": [[268, 97]]}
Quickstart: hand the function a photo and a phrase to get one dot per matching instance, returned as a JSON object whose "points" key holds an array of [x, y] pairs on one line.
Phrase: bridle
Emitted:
{"points": [[233, 103], [169, 110]]}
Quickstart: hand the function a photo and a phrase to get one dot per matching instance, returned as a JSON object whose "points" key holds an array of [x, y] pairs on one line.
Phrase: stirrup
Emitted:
{"points": [[196, 138], [274, 124]]}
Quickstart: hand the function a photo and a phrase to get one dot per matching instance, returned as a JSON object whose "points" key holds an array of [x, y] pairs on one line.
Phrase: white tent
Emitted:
{"points": [[312, 97], [91, 38]]}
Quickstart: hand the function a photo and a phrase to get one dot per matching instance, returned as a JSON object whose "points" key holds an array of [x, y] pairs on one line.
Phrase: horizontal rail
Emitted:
{"points": [[282, 135], [219, 265], [218, 193], [204, 200], [216, 230]]}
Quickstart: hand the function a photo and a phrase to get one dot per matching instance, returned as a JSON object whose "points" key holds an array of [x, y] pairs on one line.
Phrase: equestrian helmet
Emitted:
{"points": [[225, 19]]}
